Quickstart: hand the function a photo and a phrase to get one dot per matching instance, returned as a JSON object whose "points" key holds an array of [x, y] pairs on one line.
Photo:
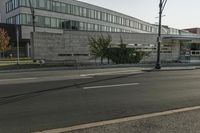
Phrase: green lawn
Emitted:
{"points": [[7, 64]]}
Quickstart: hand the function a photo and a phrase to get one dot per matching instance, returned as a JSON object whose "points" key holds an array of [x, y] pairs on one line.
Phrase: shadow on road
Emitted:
{"points": [[24, 96]]}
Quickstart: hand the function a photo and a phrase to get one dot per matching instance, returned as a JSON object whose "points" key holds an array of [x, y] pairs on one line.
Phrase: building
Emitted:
{"points": [[194, 30], [55, 15], [58, 17]]}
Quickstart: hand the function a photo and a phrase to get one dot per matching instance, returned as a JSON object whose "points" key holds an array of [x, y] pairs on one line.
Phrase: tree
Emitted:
{"points": [[99, 46], [124, 55], [4, 41]]}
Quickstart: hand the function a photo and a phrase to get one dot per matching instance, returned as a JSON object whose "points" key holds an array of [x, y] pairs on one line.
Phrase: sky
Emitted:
{"points": [[179, 14]]}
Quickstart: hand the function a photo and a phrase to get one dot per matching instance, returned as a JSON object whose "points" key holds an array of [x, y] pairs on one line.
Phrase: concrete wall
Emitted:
{"points": [[73, 45], [3, 11]]}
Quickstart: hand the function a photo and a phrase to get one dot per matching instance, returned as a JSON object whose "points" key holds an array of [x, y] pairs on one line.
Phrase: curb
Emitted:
{"points": [[98, 127], [171, 69], [146, 68]]}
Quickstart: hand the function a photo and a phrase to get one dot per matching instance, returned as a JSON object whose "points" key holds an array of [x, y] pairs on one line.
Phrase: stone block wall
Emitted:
{"points": [[73, 45]]}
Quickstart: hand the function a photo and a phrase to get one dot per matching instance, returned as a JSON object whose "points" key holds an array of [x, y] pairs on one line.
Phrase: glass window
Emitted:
{"points": [[68, 8], [18, 19], [40, 21], [29, 19], [10, 7], [99, 15], [23, 19], [34, 3], [61, 23], [84, 12], [75, 25], [87, 13], [113, 29], [92, 13], [63, 8], [49, 5], [96, 27], [7, 10], [72, 9], [115, 19], [58, 6], [112, 18], [16, 3], [82, 26], [23, 2], [120, 20], [47, 22], [54, 6], [58, 23], [76, 10], [108, 17], [42, 4], [103, 16], [89, 27], [95, 14], [53, 23], [127, 22], [108, 28], [81, 11]]}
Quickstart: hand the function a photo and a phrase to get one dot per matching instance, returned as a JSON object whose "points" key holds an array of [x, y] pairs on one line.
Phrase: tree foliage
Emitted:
{"points": [[99, 46], [125, 56], [4, 41]]}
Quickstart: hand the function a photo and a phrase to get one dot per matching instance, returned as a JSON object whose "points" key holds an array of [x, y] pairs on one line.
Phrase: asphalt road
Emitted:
{"points": [[47, 104]]}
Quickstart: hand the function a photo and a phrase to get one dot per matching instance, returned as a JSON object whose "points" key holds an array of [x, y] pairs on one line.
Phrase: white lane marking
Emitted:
{"points": [[112, 72], [121, 120], [109, 86], [17, 79]]}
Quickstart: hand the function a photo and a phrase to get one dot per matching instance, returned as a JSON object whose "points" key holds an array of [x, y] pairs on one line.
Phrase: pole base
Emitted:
{"points": [[158, 66]]}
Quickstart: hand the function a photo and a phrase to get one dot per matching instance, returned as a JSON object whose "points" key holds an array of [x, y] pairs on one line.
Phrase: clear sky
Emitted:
{"points": [[179, 13]]}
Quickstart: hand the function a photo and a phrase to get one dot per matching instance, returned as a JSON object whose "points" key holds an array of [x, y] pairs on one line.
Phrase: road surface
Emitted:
{"points": [[28, 104]]}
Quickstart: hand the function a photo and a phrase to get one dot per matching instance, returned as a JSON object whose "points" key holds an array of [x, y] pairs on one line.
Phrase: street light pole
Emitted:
{"points": [[18, 51], [33, 14], [161, 8], [33, 23]]}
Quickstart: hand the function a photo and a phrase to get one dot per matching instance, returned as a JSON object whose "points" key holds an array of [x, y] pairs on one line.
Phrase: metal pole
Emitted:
{"points": [[17, 28], [33, 14], [33, 21], [159, 39], [33, 17]]}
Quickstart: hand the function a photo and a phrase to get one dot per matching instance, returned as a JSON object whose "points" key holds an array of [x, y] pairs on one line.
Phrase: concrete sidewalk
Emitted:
{"points": [[185, 120], [143, 67]]}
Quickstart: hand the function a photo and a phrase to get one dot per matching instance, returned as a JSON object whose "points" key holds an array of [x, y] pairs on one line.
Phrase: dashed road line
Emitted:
{"points": [[107, 73], [16, 79], [110, 86]]}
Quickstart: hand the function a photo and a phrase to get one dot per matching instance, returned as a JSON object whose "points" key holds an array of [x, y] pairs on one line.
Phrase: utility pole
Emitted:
{"points": [[33, 14], [159, 39], [18, 51], [33, 23]]}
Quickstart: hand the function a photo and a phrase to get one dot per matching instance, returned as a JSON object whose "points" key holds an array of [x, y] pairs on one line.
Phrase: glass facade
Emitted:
{"points": [[52, 22], [55, 6]]}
